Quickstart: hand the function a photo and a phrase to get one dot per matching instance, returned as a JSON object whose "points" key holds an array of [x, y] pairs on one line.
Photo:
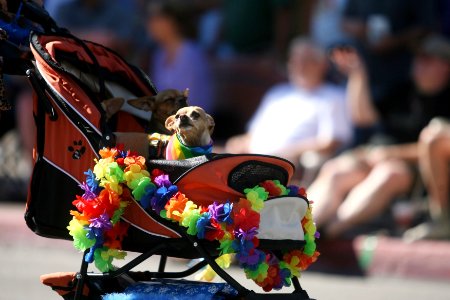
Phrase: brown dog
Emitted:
{"points": [[162, 105]]}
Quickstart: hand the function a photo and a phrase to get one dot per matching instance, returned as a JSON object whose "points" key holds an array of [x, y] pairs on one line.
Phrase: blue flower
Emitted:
{"points": [[92, 182], [162, 195], [202, 223], [293, 190], [148, 195]]}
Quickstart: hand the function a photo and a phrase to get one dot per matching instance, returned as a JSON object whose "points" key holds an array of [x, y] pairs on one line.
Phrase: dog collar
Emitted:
{"points": [[176, 150]]}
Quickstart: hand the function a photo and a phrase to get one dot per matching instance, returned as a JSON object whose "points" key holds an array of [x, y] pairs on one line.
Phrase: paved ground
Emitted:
{"points": [[25, 256]]}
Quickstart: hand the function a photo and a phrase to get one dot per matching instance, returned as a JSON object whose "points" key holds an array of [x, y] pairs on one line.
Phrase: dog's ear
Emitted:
{"points": [[186, 93], [112, 105], [170, 123], [211, 124], [146, 103]]}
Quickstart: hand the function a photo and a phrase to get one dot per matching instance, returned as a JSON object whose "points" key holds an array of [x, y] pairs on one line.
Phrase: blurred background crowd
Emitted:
{"points": [[354, 93]]}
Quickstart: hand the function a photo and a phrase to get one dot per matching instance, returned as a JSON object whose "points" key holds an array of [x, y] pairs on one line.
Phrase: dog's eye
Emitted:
{"points": [[195, 115], [177, 117]]}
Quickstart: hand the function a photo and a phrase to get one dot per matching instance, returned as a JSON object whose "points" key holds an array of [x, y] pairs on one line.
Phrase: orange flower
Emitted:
{"points": [[175, 206], [131, 160], [79, 216], [107, 152]]}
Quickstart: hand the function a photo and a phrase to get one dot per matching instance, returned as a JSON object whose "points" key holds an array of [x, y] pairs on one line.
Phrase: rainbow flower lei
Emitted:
{"points": [[119, 175]]}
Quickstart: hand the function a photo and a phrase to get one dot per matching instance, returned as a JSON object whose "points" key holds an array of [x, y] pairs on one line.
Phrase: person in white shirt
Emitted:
{"points": [[303, 115]]}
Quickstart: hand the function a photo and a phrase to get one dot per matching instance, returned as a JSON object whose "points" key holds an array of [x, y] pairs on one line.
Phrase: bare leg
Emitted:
{"points": [[434, 150], [336, 178], [369, 198]]}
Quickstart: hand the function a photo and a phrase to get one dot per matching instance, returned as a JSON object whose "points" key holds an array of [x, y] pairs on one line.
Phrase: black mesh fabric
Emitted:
{"points": [[252, 173], [176, 168]]}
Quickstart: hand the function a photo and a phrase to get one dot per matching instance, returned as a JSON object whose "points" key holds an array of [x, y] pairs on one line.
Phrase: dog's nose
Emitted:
{"points": [[184, 118]]}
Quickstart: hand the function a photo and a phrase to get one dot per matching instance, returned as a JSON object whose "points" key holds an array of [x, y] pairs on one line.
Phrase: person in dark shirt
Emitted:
{"points": [[359, 185], [383, 31]]}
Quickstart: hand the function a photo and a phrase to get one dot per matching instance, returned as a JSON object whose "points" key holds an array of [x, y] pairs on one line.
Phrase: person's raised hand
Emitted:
{"points": [[346, 59]]}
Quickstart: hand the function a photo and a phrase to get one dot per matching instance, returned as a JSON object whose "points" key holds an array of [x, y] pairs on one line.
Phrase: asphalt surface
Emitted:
{"points": [[25, 256]]}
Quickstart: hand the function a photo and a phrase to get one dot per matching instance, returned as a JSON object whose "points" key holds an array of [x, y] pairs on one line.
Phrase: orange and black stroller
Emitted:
{"points": [[201, 207]]}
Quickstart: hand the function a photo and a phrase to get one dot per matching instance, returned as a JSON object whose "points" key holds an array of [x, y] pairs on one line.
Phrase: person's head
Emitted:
{"points": [[168, 20], [431, 67], [307, 63]]}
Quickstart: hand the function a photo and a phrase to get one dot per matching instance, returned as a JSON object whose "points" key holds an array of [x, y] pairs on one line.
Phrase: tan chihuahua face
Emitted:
{"points": [[193, 125]]}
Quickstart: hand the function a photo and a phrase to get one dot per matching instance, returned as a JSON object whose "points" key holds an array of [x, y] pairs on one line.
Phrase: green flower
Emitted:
{"points": [[140, 187]]}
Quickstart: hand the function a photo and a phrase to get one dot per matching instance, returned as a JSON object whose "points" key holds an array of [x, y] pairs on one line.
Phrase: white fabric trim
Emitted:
{"points": [[281, 219]]}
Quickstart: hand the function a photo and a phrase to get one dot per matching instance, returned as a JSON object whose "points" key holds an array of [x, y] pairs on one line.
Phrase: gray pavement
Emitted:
{"points": [[25, 256]]}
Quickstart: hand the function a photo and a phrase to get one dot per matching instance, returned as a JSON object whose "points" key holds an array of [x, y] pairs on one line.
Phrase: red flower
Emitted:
{"points": [[114, 236], [214, 231], [271, 188], [302, 192], [245, 218], [155, 173], [304, 260]]}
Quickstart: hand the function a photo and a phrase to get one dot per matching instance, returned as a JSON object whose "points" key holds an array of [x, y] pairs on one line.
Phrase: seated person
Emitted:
{"points": [[434, 160], [358, 186], [304, 114]]}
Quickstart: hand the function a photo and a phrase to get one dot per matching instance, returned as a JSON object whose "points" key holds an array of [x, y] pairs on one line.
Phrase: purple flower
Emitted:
{"points": [[88, 194], [246, 235], [202, 223], [163, 180], [221, 212], [317, 235], [103, 222], [251, 259]]}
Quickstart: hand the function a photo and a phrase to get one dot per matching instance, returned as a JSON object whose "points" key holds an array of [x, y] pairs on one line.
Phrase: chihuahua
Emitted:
{"points": [[191, 129], [162, 105]]}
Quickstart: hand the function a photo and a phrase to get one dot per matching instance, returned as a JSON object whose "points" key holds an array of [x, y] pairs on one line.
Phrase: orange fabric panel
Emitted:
{"points": [[59, 136], [215, 188], [61, 279], [105, 57], [137, 216]]}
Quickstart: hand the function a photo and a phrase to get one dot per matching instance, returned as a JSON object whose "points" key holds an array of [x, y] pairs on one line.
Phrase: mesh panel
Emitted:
{"points": [[254, 172], [176, 168]]}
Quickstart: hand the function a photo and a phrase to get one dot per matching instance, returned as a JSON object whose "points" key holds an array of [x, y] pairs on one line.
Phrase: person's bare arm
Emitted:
{"points": [[406, 152], [322, 147], [362, 110]]}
